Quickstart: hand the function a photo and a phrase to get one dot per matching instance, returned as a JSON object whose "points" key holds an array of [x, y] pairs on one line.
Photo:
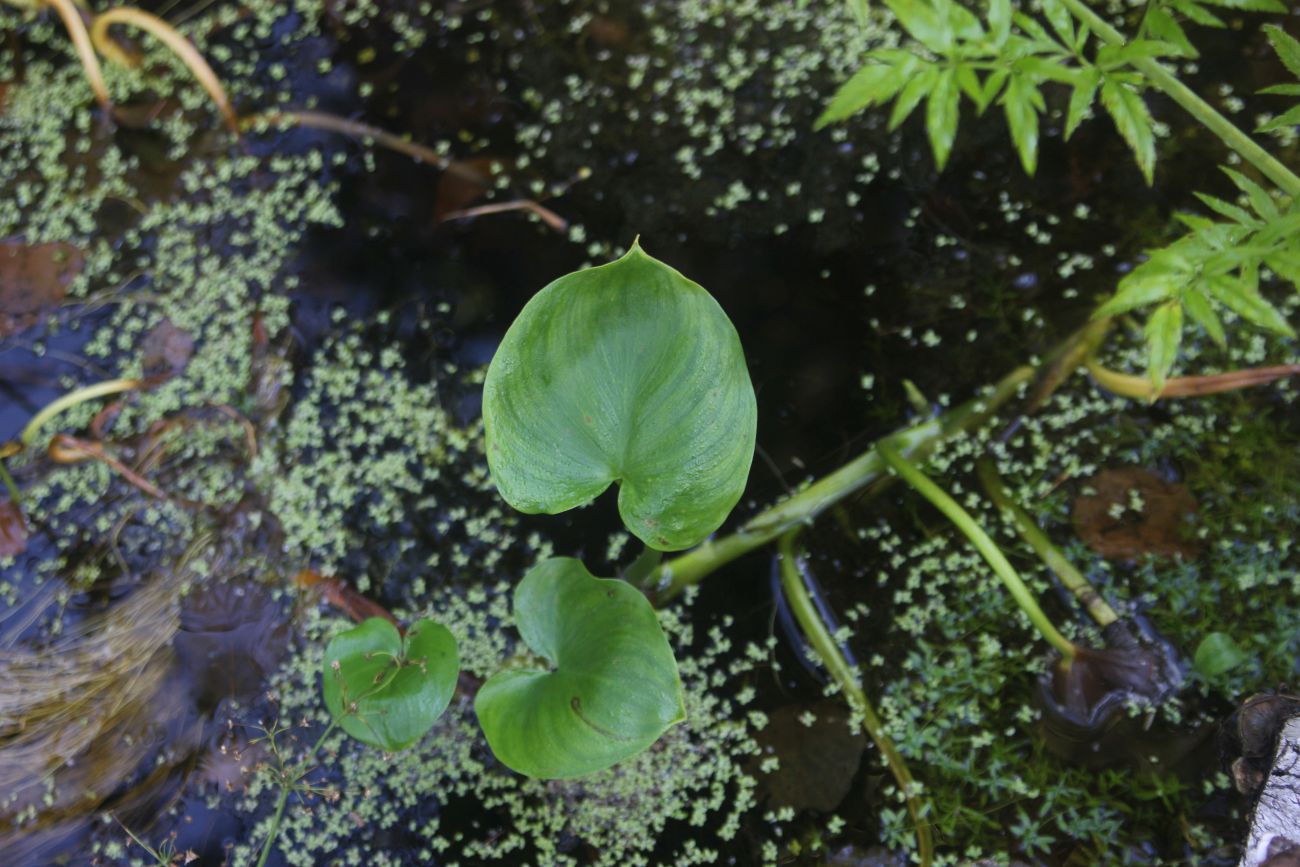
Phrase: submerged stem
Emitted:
{"points": [[1198, 108], [814, 628], [986, 546], [1097, 607]]}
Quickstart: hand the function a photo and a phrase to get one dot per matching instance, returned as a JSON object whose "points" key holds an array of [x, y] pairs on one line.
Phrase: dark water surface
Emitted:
{"points": [[958, 295]]}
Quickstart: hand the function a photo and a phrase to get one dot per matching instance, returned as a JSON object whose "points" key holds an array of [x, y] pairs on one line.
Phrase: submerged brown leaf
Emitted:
{"points": [[1128, 512], [338, 594], [818, 754], [13, 529], [166, 350], [33, 278]]}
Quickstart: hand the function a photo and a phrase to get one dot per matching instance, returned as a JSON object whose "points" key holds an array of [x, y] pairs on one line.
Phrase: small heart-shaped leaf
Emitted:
{"points": [[386, 690], [614, 688], [626, 372]]}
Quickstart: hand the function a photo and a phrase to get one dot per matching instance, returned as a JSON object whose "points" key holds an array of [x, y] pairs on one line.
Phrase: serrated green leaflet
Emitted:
{"points": [[626, 372], [614, 688], [386, 690], [1218, 653]]}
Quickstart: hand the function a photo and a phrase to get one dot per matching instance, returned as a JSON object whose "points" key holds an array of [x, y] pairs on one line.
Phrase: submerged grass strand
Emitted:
{"points": [[815, 630], [1073, 580], [366, 133], [987, 547]]}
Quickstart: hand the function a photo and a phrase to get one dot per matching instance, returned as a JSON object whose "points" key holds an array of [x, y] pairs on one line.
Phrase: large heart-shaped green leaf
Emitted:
{"points": [[626, 372], [614, 688], [386, 690]]}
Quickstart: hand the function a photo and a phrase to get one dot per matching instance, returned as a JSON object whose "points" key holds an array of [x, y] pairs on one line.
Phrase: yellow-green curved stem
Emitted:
{"points": [[819, 636], [169, 36], [986, 546], [81, 41], [71, 399]]}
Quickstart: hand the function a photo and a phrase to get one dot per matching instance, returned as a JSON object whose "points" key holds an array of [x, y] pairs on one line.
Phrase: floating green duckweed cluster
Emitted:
{"points": [[673, 804], [366, 449]]}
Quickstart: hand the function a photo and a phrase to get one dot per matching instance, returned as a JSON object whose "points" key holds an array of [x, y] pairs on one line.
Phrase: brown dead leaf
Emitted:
{"points": [[1127, 512], [13, 529], [33, 278], [818, 753], [608, 32], [166, 350]]}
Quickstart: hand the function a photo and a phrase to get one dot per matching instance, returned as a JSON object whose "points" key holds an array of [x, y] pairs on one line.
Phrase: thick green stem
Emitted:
{"points": [[1097, 608], [819, 636], [71, 399], [986, 546], [675, 575], [1198, 108]]}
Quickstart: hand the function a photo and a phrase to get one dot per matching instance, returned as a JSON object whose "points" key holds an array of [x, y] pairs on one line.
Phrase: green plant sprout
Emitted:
{"points": [[626, 372], [387, 689], [288, 778], [383, 688], [1009, 56]]}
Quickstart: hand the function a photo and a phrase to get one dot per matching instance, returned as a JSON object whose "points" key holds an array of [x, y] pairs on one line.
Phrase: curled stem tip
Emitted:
{"points": [[168, 35], [1141, 387], [71, 399]]}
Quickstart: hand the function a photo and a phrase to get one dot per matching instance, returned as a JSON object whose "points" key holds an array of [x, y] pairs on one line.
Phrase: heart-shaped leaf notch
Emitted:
{"points": [[387, 690], [626, 372], [614, 688]]}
